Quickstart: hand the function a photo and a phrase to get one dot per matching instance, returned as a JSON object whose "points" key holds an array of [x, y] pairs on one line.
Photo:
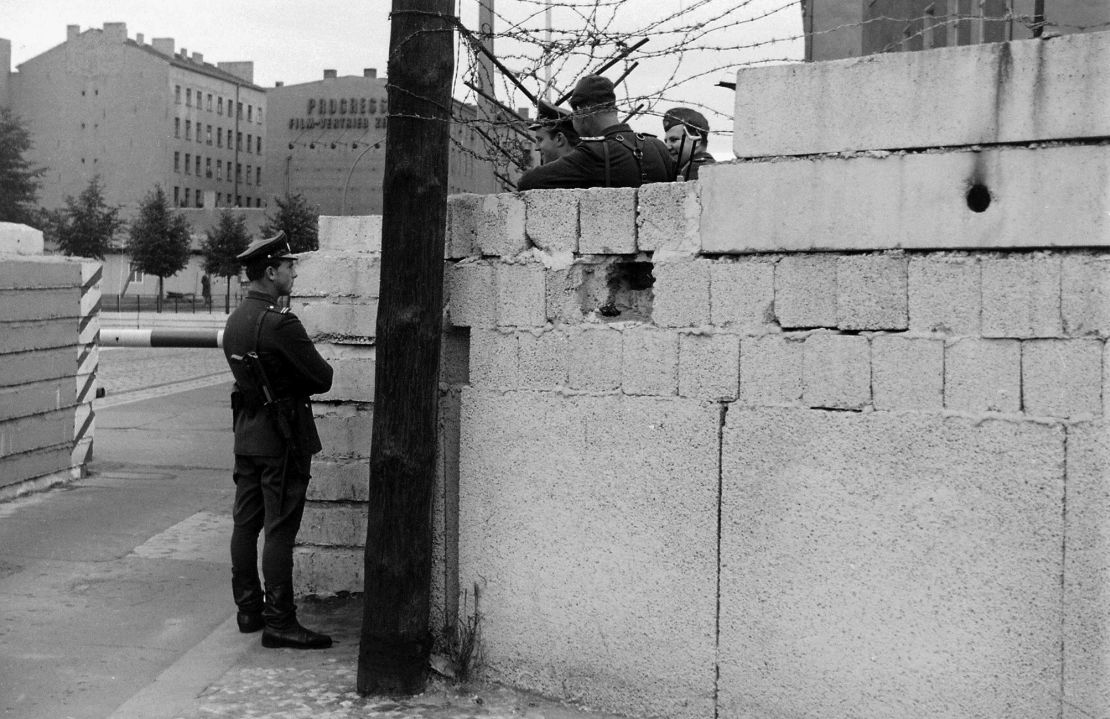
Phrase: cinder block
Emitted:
{"points": [[21, 272], [20, 239], [1085, 295], [346, 430], [771, 370], [328, 570], [501, 225], [45, 304], [607, 221], [871, 292], [945, 294], [708, 366], [907, 373], [1021, 297], [37, 397], [38, 335], [462, 224], [331, 524], [805, 291], [340, 480], [1062, 378], [595, 358], [494, 359], [1086, 572], [472, 295], [668, 218], [27, 367], [552, 219], [521, 295], [454, 363], [982, 375], [353, 372], [562, 295], [321, 274], [870, 558], [742, 294], [544, 358], [351, 320], [28, 434], [649, 362], [681, 293], [918, 201], [350, 233], [836, 371], [929, 99]]}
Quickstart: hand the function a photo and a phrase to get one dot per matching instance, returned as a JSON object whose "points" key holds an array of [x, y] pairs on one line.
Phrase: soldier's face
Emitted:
{"points": [[545, 145], [284, 274], [680, 143]]}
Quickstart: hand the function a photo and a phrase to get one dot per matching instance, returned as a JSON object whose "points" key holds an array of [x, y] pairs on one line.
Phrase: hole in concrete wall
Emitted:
{"points": [[629, 291], [978, 197], [454, 358]]}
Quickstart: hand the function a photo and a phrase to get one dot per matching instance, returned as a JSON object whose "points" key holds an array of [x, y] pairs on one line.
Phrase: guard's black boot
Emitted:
{"points": [[282, 628], [247, 591]]}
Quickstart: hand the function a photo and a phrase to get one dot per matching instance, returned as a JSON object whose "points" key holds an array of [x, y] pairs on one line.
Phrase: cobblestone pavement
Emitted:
{"points": [[123, 370]]}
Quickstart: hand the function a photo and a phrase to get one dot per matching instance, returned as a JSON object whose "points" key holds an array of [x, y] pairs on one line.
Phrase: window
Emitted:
{"points": [[176, 94], [229, 139], [239, 109], [258, 175], [208, 167], [177, 197], [248, 174], [177, 162], [249, 143], [199, 197], [219, 137], [198, 166], [188, 164], [238, 141], [238, 200], [186, 197], [238, 173], [188, 97], [250, 114], [219, 106], [258, 116], [134, 274], [188, 129], [219, 169], [177, 127], [208, 102], [258, 144], [208, 135]]}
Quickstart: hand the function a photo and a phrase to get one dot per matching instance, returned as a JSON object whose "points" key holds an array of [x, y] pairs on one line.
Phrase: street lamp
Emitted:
{"points": [[347, 183]]}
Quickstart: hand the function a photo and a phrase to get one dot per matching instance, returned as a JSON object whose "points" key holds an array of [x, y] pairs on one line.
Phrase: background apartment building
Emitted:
{"points": [[139, 115], [327, 142], [838, 29]]}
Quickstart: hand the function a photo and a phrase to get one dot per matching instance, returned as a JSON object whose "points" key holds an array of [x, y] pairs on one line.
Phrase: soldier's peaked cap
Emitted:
{"points": [[267, 249], [548, 115]]}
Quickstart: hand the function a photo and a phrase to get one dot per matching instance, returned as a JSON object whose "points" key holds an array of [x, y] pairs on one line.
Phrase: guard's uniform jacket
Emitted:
{"points": [[690, 170], [293, 366], [619, 158]]}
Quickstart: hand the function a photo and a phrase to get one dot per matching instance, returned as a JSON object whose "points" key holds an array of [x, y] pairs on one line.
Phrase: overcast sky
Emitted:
{"points": [[298, 41]]}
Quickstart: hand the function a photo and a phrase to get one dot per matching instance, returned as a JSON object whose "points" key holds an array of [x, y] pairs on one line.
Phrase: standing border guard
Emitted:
{"points": [[276, 369]]}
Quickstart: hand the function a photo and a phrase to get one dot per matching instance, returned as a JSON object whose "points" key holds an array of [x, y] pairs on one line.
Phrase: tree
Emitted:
{"points": [[159, 243], [228, 239], [19, 181], [298, 220], [396, 642], [86, 226]]}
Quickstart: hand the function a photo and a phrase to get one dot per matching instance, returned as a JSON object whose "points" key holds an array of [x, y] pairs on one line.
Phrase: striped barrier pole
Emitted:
{"points": [[88, 360], [163, 337]]}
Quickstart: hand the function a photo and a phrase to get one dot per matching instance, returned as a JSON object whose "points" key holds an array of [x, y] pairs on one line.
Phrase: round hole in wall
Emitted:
{"points": [[978, 198]]}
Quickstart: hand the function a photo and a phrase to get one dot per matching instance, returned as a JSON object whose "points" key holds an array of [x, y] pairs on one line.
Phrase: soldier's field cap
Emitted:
{"points": [[267, 249], [694, 121], [593, 91], [548, 115]]}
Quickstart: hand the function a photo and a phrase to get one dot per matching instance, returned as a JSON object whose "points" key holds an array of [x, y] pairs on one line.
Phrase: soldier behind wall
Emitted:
{"points": [[687, 137]]}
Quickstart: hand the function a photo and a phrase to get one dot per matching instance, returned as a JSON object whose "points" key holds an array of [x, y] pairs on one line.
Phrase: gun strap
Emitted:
{"points": [[258, 329]]}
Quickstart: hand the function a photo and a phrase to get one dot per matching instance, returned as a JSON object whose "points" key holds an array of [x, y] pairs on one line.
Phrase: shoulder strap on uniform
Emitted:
{"points": [[637, 150]]}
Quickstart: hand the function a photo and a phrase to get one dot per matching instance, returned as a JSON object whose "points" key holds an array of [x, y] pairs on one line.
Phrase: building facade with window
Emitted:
{"points": [[838, 29], [141, 115], [327, 143]]}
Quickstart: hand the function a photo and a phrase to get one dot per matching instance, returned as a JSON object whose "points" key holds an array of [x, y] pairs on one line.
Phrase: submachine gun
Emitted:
{"points": [[274, 406]]}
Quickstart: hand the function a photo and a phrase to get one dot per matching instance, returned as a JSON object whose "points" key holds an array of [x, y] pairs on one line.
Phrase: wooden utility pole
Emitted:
{"points": [[396, 641]]}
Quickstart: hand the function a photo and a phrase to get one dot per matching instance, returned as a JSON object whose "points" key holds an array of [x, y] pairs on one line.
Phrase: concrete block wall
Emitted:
{"points": [[48, 309], [821, 435]]}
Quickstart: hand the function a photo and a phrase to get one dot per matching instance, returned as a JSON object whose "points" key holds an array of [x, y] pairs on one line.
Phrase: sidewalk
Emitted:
{"points": [[292, 684]]}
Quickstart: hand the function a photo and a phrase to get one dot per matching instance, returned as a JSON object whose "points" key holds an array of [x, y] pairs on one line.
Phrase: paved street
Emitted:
{"points": [[115, 588]]}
